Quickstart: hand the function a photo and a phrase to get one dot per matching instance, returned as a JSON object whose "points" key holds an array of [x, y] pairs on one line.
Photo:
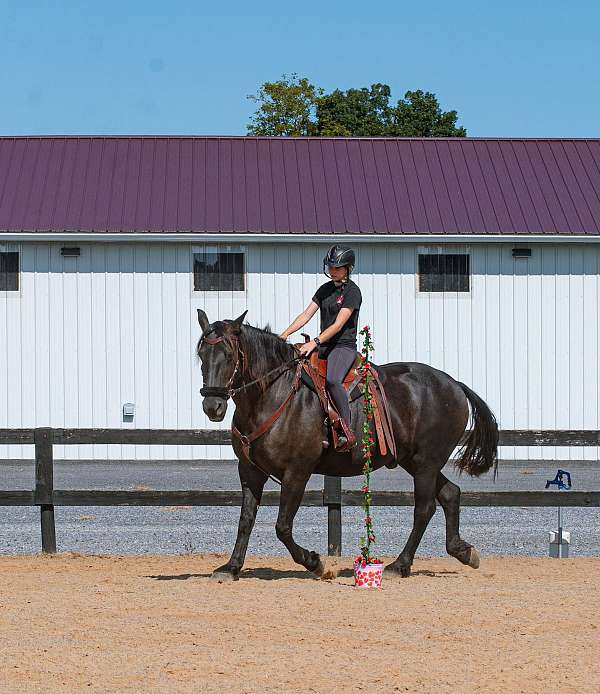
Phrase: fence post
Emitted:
{"points": [[44, 487], [332, 498]]}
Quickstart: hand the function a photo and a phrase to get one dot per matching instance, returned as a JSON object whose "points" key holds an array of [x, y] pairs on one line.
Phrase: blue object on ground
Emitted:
{"points": [[559, 480]]}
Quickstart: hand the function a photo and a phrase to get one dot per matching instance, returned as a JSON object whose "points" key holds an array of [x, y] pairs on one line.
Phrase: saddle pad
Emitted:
{"points": [[316, 369], [320, 366]]}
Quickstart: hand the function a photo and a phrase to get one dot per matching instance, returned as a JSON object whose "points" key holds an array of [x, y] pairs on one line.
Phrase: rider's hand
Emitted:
{"points": [[307, 348]]}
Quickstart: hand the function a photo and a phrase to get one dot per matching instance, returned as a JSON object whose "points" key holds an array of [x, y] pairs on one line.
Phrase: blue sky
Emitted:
{"points": [[509, 68]]}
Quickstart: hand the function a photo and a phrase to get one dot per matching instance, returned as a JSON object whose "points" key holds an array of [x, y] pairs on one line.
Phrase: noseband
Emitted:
{"points": [[225, 391]]}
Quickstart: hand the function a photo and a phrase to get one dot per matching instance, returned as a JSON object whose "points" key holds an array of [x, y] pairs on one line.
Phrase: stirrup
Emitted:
{"points": [[346, 443], [325, 442]]}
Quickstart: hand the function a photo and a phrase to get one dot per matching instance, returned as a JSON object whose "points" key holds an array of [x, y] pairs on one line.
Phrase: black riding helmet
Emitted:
{"points": [[339, 256]]}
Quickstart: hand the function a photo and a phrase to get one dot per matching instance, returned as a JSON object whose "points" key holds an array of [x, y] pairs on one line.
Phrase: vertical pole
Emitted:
{"points": [[44, 487], [560, 547], [332, 498]]}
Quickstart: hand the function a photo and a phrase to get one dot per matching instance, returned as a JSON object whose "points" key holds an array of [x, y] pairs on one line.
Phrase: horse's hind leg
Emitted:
{"points": [[425, 490], [448, 494], [292, 491], [253, 481]]}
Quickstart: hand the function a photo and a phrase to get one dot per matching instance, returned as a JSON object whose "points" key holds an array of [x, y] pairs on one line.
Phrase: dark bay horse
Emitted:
{"points": [[429, 411]]}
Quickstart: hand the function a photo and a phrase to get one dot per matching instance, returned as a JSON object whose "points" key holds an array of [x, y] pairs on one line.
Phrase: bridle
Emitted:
{"points": [[227, 391]]}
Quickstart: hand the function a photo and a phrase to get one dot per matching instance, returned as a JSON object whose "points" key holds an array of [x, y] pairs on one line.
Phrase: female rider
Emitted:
{"points": [[339, 302]]}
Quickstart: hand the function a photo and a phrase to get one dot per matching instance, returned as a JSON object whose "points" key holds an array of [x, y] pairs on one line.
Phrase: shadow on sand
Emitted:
{"points": [[267, 574], [264, 574], [434, 574]]}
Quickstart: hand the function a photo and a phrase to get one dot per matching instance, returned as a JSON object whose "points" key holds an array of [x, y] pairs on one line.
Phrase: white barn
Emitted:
{"points": [[479, 257]]}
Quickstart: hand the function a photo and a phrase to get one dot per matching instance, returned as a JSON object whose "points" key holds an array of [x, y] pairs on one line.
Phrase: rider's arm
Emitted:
{"points": [[301, 320], [342, 318]]}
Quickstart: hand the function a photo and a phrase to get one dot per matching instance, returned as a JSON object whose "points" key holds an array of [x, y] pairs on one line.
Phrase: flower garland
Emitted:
{"points": [[368, 443]]}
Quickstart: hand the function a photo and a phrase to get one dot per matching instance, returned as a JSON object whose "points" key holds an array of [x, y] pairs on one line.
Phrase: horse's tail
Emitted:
{"points": [[479, 451]]}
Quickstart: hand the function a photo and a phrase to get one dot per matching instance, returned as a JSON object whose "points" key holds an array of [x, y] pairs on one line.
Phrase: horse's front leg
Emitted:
{"points": [[253, 481], [292, 491]]}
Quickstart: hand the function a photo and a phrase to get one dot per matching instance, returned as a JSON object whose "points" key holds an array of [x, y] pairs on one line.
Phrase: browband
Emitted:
{"points": [[213, 340], [216, 340]]}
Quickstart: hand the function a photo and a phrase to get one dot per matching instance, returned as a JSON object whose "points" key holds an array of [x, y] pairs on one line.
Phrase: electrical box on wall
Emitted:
{"points": [[128, 411]]}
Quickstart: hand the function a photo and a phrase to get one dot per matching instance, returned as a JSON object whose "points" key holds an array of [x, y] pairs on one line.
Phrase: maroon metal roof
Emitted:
{"points": [[300, 185]]}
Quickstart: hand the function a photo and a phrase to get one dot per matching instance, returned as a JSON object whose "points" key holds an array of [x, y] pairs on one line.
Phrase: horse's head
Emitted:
{"points": [[220, 354]]}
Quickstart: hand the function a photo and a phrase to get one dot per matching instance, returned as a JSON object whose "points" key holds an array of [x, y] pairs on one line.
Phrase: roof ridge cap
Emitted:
{"points": [[286, 138]]}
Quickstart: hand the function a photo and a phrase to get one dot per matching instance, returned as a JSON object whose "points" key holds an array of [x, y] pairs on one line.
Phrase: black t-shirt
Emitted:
{"points": [[330, 300]]}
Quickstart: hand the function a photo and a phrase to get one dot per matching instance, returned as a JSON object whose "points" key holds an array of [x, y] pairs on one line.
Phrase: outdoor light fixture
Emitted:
{"points": [[70, 251], [521, 252]]}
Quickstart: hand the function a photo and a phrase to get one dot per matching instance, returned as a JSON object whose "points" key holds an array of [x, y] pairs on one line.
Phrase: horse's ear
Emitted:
{"points": [[203, 320], [237, 323]]}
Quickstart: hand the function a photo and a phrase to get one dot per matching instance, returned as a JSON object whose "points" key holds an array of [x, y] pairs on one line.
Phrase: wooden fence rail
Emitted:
{"points": [[332, 496], [216, 437]]}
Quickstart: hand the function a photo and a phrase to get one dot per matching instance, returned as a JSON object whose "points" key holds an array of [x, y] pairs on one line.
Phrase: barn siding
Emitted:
{"points": [[118, 324]]}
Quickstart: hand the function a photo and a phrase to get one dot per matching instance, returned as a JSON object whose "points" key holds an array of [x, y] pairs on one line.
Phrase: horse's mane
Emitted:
{"points": [[264, 351]]}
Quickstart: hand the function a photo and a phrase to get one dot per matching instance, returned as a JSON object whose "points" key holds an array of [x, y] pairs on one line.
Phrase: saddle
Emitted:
{"points": [[314, 374]]}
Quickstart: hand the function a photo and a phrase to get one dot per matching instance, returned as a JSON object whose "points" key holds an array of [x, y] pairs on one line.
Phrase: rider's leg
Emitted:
{"points": [[339, 361]]}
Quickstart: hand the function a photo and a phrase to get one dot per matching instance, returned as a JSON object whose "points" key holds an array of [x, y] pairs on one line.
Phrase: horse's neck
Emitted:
{"points": [[251, 357], [253, 406], [249, 400]]}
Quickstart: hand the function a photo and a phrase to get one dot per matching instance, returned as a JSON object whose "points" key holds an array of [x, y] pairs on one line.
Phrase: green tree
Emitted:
{"points": [[294, 107], [285, 108], [368, 112], [419, 115], [355, 112]]}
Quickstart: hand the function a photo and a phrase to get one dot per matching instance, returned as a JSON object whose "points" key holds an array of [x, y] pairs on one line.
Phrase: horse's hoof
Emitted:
{"points": [[396, 570], [325, 571], [319, 570], [224, 577], [474, 558]]}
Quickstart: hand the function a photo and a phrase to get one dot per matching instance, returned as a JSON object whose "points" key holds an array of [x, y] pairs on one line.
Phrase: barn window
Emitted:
{"points": [[9, 272], [216, 271], [443, 272]]}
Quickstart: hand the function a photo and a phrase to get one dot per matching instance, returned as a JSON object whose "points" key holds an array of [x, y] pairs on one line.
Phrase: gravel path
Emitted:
{"points": [[176, 530]]}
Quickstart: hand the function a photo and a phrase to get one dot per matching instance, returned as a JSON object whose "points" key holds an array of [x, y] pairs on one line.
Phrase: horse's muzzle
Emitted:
{"points": [[214, 408]]}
